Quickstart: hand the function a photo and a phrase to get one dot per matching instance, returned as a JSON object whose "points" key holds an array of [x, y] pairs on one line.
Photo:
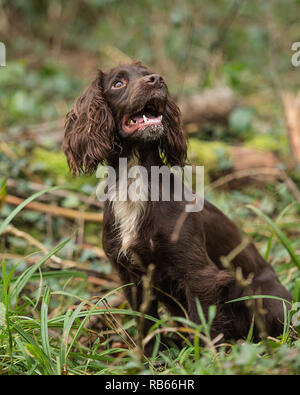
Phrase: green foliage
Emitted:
{"points": [[27, 342], [268, 143], [54, 164], [240, 120], [24, 92], [213, 155], [53, 50], [28, 348]]}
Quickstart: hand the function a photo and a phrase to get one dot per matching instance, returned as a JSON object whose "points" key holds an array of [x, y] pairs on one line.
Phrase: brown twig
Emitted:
{"points": [[57, 262], [59, 193], [55, 210], [264, 171], [108, 280], [31, 241]]}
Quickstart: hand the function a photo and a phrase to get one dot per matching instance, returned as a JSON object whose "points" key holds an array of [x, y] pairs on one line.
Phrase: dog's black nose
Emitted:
{"points": [[154, 79]]}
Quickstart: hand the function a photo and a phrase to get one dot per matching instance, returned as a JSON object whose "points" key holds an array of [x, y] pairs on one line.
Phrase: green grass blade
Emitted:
{"points": [[55, 274], [26, 275], [37, 353], [296, 291], [250, 333], [11, 216], [33, 349], [66, 332], [6, 304], [281, 215], [39, 290], [68, 323], [258, 297], [83, 321], [269, 246], [23, 334], [28, 361], [2, 193], [44, 323], [286, 324], [64, 342], [127, 312], [280, 235]]}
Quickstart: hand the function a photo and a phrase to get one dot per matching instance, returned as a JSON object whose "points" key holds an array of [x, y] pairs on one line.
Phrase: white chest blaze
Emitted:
{"points": [[131, 202]]}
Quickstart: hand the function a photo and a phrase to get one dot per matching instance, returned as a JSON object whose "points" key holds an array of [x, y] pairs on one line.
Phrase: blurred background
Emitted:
{"points": [[228, 65]]}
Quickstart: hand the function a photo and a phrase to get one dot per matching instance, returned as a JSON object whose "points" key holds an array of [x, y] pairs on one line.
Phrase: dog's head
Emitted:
{"points": [[129, 104], [137, 99]]}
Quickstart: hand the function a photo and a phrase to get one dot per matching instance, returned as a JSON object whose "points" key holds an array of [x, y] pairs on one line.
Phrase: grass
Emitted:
{"points": [[45, 328]]}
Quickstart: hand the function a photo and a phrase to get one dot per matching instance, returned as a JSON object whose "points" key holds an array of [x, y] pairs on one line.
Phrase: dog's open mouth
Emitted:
{"points": [[149, 116]]}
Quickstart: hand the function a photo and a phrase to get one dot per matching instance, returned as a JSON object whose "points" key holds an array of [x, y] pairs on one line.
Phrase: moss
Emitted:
{"points": [[268, 142], [213, 155], [55, 164]]}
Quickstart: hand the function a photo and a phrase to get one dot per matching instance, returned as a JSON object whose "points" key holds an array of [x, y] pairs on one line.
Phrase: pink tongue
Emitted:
{"points": [[138, 118]]}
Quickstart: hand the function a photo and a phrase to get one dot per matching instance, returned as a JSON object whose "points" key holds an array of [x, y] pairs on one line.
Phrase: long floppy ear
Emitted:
{"points": [[89, 130], [173, 142]]}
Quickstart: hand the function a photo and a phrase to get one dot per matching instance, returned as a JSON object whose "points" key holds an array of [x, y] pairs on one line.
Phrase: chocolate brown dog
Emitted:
{"points": [[127, 113]]}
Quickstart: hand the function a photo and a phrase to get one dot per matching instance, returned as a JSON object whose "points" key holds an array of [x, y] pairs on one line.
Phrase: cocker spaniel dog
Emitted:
{"points": [[127, 113]]}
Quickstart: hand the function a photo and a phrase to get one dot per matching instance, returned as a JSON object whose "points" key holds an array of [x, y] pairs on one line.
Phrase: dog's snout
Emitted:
{"points": [[154, 80]]}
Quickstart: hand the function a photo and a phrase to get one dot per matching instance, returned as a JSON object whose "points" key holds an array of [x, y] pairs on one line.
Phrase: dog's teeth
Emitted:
{"points": [[145, 119]]}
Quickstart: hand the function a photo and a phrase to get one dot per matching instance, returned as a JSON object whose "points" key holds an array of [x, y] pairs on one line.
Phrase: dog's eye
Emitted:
{"points": [[118, 84]]}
